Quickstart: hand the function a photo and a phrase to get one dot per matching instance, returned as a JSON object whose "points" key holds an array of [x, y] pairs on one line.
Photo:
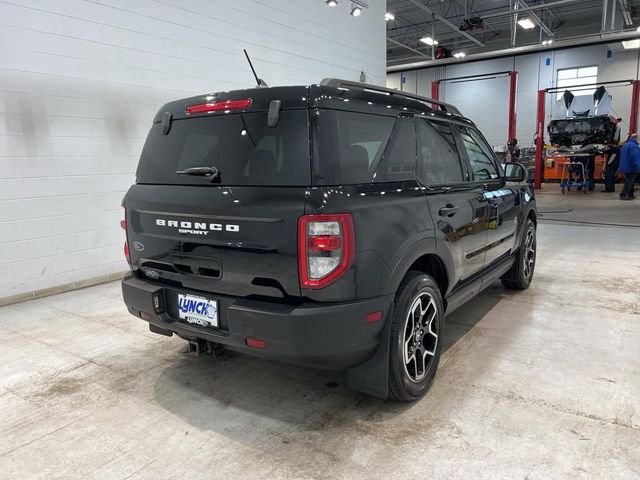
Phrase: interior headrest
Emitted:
{"points": [[262, 163], [357, 160]]}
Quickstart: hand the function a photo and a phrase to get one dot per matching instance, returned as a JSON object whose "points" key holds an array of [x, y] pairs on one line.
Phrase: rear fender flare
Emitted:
{"points": [[426, 246]]}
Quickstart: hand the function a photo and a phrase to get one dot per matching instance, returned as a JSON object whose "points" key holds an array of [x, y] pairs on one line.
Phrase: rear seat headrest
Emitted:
{"points": [[262, 163], [357, 160]]}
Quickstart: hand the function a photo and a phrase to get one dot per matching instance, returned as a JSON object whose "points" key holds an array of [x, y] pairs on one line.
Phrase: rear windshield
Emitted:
{"points": [[244, 149]]}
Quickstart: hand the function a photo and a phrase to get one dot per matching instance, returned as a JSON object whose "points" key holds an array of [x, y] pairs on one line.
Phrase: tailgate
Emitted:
{"points": [[238, 241]]}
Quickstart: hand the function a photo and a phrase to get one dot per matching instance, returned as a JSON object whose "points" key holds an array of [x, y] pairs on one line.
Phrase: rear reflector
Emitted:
{"points": [[322, 243], [123, 225], [219, 106], [374, 317], [256, 343]]}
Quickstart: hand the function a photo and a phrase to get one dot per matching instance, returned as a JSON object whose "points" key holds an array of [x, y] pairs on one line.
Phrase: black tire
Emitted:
{"points": [[421, 288], [521, 273]]}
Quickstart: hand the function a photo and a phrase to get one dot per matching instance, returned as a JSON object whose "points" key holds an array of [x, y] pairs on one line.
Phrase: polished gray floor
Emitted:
{"points": [[539, 384]]}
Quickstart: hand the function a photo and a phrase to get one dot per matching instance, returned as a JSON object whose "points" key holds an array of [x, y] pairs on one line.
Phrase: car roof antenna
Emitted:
{"points": [[259, 81]]}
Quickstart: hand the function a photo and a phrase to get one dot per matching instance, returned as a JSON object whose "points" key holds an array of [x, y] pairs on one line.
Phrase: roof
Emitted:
{"points": [[331, 93]]}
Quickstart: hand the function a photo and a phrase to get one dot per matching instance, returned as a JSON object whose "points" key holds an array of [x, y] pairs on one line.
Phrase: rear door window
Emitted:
{"points": [[438, 157], [244, 149], [349, 145], [399, 160]]}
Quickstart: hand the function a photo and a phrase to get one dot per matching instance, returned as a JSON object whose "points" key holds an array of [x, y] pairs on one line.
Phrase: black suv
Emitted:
{"points": [[330, 225]]}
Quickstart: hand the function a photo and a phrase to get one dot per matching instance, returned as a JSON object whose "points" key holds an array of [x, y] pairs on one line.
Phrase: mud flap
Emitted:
{"points": [[372, 376]]}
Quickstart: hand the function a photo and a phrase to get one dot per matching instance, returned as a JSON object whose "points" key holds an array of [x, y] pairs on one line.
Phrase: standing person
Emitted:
{"points": [[630, 166], [611, 166], [618, 131]]}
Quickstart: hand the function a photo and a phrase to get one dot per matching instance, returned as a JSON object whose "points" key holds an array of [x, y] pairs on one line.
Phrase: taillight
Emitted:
{"points": [[123, 225], [227, 105], [326, 248]]}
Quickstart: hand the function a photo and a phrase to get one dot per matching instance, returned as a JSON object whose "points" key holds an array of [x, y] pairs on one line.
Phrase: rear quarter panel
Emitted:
{"points": [[390, 219]]}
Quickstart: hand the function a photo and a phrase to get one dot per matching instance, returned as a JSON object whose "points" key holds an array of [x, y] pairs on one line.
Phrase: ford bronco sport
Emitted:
{"points": [[330, 225]]}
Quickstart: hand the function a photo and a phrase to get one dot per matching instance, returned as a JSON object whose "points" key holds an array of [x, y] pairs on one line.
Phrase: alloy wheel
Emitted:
{"points": [[529, 253], [420, 337]]}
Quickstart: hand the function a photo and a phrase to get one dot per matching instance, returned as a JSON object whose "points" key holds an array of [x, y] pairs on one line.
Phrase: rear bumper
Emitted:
{"points": [[333, 335]]}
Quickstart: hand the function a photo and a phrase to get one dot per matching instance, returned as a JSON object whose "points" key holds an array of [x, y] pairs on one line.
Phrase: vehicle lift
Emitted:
{"points": [[513, 87], [540, 122]]}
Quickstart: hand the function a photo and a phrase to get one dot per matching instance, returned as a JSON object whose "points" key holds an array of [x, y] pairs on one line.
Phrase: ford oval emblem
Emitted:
{"points": [[137, 246]]}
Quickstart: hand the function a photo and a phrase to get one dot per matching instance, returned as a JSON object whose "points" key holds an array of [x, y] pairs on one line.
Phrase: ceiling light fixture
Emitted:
{"points": [[547, 42], [355, 10], [331, 3], [460, 55], [631, 44], [429, 41], [526, 23], [389, 16], [638, 29]]}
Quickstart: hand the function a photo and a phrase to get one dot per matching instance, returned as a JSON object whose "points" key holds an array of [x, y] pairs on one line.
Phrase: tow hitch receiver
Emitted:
{"points": [[204, 347]]}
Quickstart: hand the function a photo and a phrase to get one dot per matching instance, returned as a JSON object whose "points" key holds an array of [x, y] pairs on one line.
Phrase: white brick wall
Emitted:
{"points": [[80, 81]]}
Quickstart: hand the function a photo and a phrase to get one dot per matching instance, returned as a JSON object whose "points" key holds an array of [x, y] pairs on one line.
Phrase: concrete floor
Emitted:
{"points": [[539, 384]]}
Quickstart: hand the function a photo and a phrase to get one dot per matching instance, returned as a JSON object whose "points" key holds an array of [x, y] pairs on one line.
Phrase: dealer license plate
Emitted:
{"points": [[198, 310]]}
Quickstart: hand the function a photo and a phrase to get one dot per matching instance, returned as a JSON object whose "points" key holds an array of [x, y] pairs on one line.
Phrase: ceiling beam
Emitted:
{"points": [[541, 6], [626, 12], [421, 6], [591, 39], [411, 49], [535, 16]]}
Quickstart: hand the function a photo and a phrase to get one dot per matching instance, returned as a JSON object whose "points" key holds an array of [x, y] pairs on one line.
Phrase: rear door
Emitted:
{"points": [[487, 173], [456, 205], [235, 234]]}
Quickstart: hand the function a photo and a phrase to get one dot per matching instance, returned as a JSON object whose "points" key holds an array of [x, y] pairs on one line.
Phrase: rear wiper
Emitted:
{"points": [[212, 172]]}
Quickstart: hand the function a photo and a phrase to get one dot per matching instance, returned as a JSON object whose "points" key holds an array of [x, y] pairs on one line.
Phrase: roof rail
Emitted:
{"points": [[336, 82]]}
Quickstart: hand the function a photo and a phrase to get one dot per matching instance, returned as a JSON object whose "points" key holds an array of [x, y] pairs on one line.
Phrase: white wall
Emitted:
{"points": [[485, 102], [80, 81]]}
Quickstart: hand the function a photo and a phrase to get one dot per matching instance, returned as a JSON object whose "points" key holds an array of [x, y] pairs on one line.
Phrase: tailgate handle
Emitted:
{"points": [[449, 210], [200, 271], [205, 267]]}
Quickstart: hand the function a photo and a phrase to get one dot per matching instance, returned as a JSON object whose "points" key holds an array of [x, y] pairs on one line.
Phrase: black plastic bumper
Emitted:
{"points": [[332, 335]]}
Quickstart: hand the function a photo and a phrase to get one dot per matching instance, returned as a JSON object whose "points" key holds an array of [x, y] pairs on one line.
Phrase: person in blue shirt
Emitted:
{"points": [[630, 166]]}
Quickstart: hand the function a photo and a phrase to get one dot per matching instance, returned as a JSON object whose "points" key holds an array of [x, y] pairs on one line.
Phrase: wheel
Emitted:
{"points": [[520, 274], [417, 325]]}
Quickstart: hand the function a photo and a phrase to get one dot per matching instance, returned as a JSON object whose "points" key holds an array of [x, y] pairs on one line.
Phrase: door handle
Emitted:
{"points": [[449, 210]]}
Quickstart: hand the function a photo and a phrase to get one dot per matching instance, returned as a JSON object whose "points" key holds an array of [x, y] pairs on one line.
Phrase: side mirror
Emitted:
{"points": [[515, 172]]}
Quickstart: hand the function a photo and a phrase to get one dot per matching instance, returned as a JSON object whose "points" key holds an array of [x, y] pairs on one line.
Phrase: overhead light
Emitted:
{"points": [[526, 23], [429, 41], [631, 44], [355, 10], [460, 55], [389, 16], [547, 42], [638, 29], [331, 3]]}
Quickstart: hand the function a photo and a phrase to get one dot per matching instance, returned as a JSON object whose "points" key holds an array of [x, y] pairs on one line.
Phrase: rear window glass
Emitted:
{"points": [[349, 146], [244, 149], [399, 160], [438, 153]]}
